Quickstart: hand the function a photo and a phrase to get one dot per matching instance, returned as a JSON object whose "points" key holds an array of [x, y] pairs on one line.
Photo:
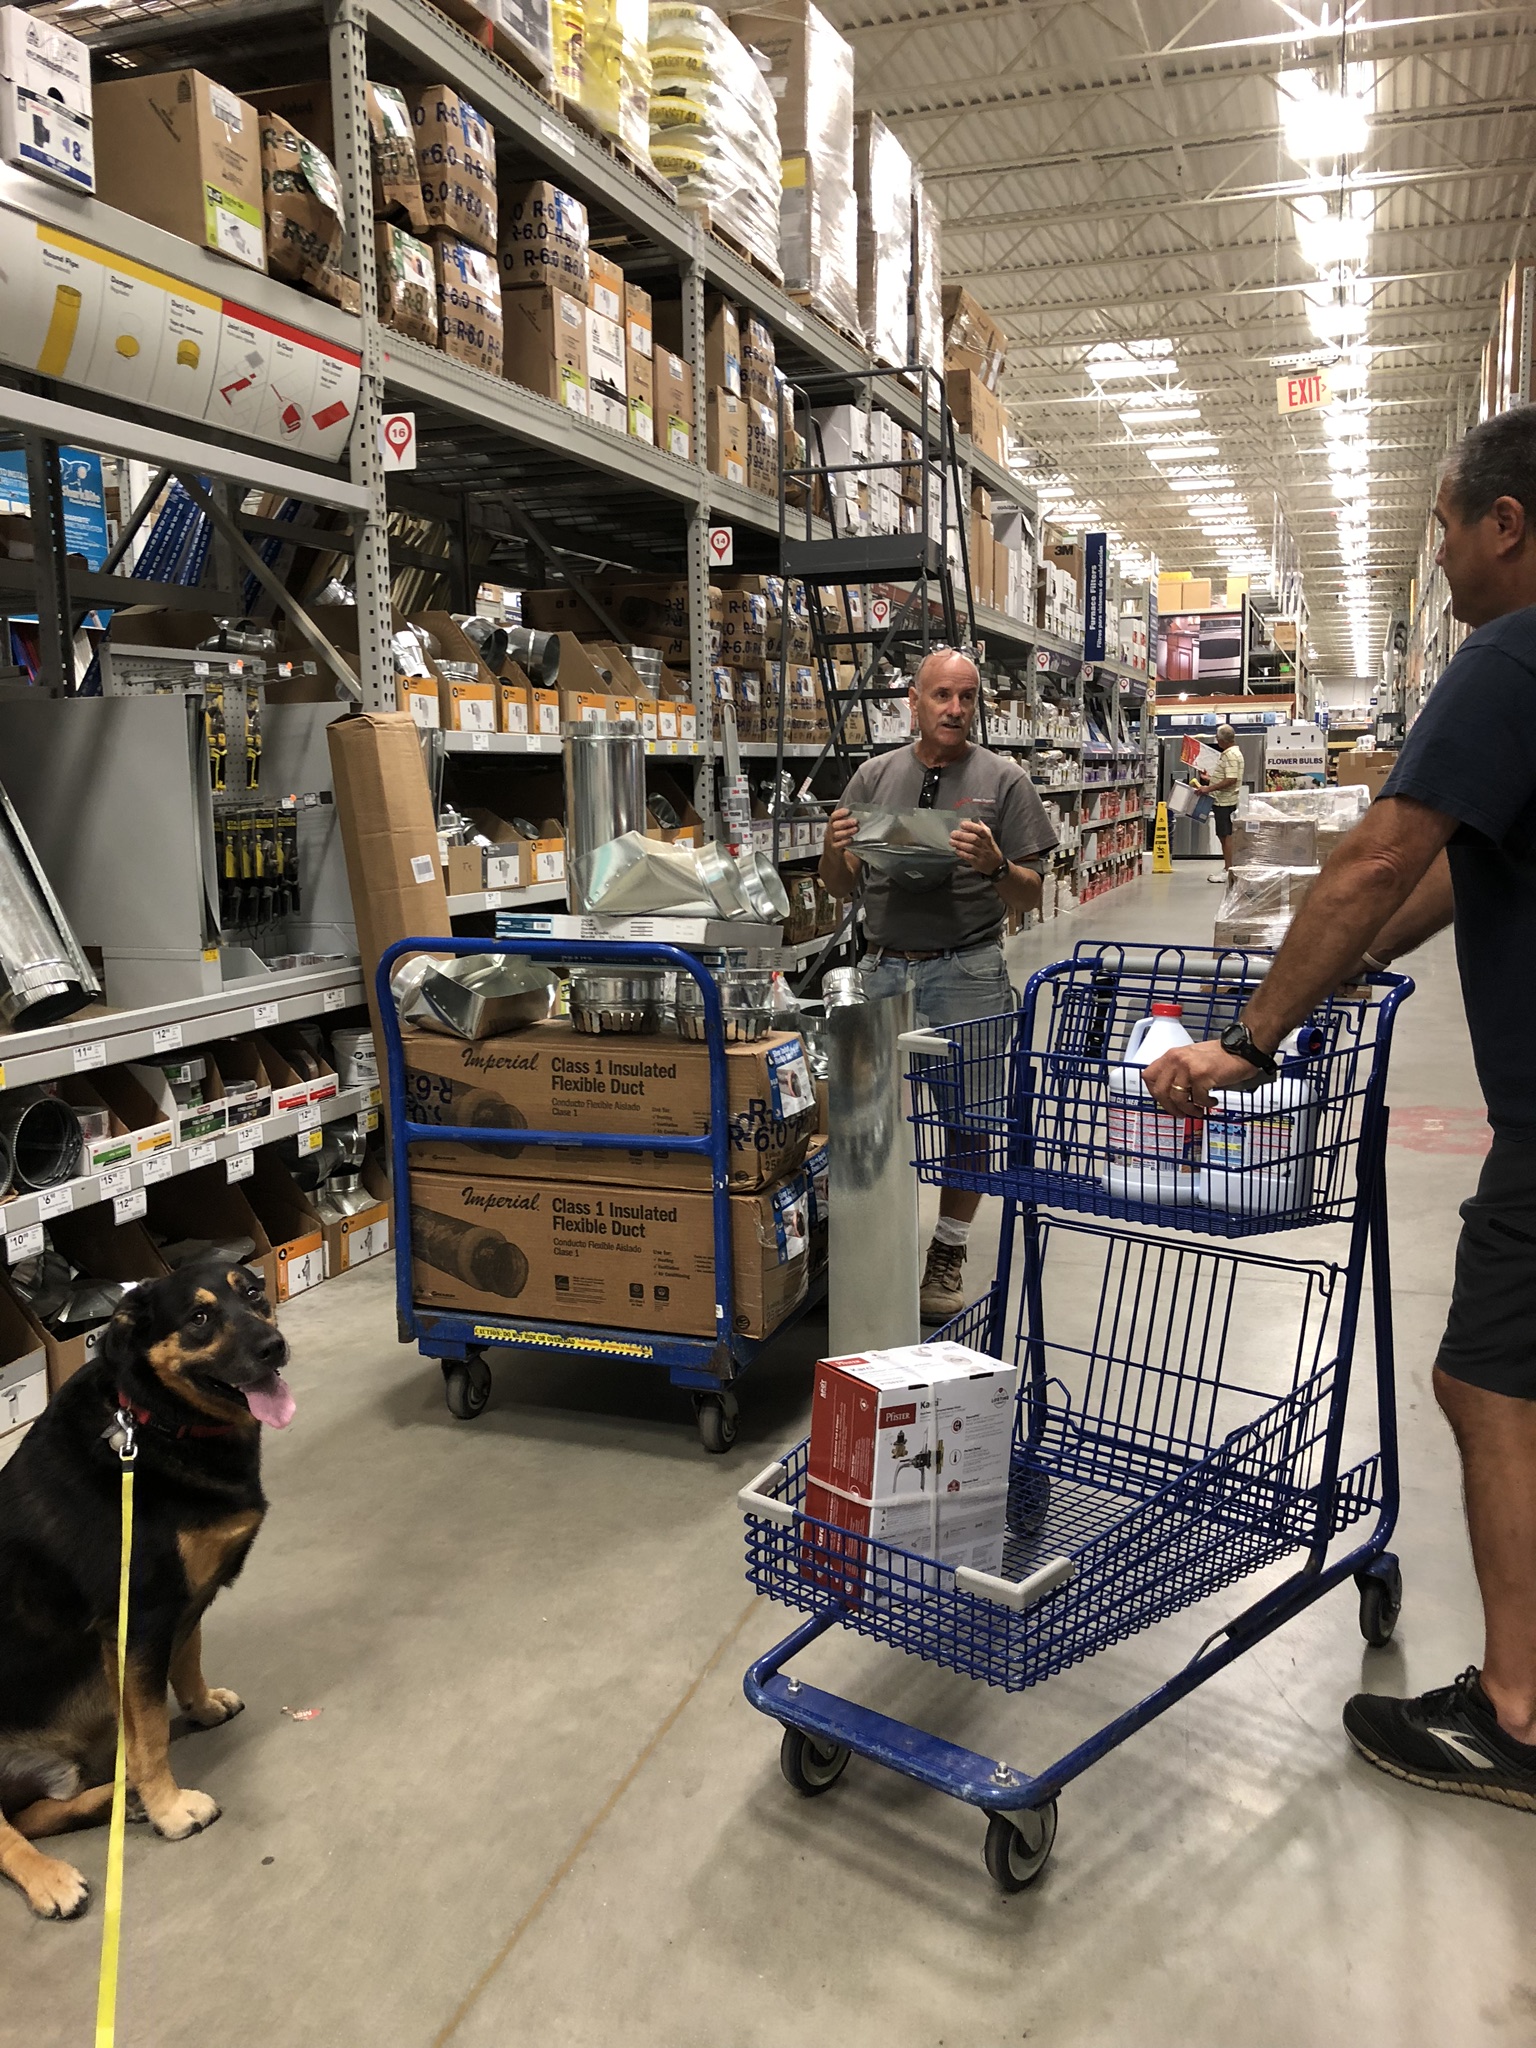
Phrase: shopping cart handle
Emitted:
{"points": [[753, 1500], [924, 1041], [1015, 1593]]}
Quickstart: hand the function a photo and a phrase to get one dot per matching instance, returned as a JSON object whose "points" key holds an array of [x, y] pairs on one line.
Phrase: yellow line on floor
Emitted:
{"points": [[471, 1997]]}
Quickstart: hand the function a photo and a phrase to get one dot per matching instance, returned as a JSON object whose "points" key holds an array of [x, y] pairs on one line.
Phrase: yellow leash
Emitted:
{"points": [[112, 1910]]}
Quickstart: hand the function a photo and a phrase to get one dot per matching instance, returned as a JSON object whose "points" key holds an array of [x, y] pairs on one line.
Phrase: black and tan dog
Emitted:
{"points": [[195, 1361]]}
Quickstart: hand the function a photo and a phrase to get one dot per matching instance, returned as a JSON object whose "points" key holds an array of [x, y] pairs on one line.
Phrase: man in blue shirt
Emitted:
{"points": [[1452, 839]]}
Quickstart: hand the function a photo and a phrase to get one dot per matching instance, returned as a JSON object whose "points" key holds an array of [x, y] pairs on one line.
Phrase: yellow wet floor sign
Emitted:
{"points": [[1162, 859]]}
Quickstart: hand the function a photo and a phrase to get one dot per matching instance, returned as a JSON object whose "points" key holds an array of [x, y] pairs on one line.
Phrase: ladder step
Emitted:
{"points": [[860, 557]]}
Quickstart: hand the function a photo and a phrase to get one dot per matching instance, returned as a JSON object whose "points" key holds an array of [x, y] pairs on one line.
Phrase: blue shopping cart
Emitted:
{"points": [[1182, 1403], [465, 1340]]}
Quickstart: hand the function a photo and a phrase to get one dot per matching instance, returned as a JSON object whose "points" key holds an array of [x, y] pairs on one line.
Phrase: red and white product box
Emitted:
{"points": [[910, 1447]]}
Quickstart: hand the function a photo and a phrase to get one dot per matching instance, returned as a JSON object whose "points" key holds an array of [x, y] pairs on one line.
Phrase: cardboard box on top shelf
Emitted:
{"points": [[726, 435], [636, 1258], [675, 416], [551, 1077], [882, 172], [388, 834], [639, 324], [392, 136], [407, 284], [469, 315], [973, 340], [605, 286], [544, 240], [107, 1250], [546, 345], [642, 417], [177, 149], [560, 610], [456, 162], [978, 412], [757, 361], [722, 338], [204, 1206], [23, 1367], [306, 231], [605, 350], [45, 111], [762, 448], [292, 1224]]}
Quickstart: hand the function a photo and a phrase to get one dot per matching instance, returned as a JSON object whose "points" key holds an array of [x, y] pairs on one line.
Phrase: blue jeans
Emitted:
{"points": [[950, 990]]}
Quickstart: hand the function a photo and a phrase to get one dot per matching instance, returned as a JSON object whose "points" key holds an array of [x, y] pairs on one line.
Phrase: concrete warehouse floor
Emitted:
{"points": [[536, 1808]]}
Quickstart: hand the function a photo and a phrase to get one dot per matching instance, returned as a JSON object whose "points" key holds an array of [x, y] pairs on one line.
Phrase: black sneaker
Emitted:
{"points": [[1449, 1740]]}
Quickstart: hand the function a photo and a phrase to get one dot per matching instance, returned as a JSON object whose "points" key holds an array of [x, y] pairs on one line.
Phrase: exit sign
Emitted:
{"points": [[1299, 393]]}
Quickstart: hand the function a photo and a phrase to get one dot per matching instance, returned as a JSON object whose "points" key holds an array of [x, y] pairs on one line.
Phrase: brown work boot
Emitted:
{"points": [[943, 1292]]}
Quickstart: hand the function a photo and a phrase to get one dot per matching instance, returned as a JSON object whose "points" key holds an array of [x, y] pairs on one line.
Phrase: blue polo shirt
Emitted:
{"points": [[1471, 753]]}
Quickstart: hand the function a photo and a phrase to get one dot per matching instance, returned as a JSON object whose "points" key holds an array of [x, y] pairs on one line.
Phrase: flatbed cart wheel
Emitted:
{"points": [[719, 1420], [1017, 1850], [1381, 1601], [809, 1766], [467, 1386]]}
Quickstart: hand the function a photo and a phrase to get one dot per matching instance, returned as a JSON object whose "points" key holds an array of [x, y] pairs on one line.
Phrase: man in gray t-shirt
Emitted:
{"points": [[944, 943]]}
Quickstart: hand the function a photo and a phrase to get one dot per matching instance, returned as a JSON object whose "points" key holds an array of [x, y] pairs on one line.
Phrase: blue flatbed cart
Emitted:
{"points": [[465, 1341], [1183, 1405]]}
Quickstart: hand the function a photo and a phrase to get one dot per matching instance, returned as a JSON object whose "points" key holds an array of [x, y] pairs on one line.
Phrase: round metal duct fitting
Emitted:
{"points": [[42, 1135], [536, 654]]}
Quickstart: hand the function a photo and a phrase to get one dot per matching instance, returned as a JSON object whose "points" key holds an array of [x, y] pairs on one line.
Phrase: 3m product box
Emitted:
{"points": [[180, 151], [45, 101], [918, 1419], [554, 1077], [629, 1258]]}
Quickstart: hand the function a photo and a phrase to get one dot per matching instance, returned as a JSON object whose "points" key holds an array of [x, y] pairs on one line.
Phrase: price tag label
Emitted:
{"points": [[166, 1037], [249, 1136], [309, 1117], [239, 1166], [201, 1155], [115, 1183], [335, 999], [127, 1208], [156, 1167], [375, 1095], [24, 1244], [370, 1119], [309, 1141], [480, 743], [56, 1201], [92, 1054], [264, 1016]]}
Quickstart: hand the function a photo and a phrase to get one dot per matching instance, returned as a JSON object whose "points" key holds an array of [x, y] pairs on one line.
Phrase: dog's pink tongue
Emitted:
{"points": [[271, 1401]]}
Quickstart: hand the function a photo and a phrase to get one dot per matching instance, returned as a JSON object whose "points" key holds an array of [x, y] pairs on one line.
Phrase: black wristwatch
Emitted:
{"points": [[999, 873], [1238, 1039]]}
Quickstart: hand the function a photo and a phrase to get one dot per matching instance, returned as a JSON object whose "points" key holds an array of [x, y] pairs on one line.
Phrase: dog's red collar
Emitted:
{"points": [[145, 1420]]}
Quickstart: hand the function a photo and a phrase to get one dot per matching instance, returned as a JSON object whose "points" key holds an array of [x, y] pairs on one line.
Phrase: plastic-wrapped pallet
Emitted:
{"points": [[809, 69], [615, 66], [882, 176], [714, 132], [927, 295], [1258, 904], [1275, 822]]}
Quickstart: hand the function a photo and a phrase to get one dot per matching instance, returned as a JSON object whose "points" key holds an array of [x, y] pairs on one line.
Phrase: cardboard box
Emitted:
{"points": [[91, 1240], [392, 136], [639, 1259], [290, 1089], [920, 1418], [639, 326], [302, 200], [722, 338], [727, 435], [149, 1129], [605, 350], [605, 287], [292, 1224], [544, 711], [762, 448], [546, 345], [1371, 770], [962, 1529], [608, 409], [356, 1239], [421, 697], [757, 361], [973, 340], [204, 1205], [977, 411], [469, 316], [553, 1077], [23, 1367], [45, 111], [514, 700], [675, 417], [640, 376], [544, 240], [407, 284], [456, 162], [388, 833], [642, 420], [176, 149]]}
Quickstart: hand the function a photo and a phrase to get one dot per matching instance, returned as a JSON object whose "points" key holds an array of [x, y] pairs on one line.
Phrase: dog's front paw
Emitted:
{"points": [[188, 1814], [218, 1704], [55, 1890]]}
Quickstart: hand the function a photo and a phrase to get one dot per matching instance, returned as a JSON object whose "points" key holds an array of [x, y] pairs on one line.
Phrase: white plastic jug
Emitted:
{"points": [[1260, 1146], [1150, 1154]]}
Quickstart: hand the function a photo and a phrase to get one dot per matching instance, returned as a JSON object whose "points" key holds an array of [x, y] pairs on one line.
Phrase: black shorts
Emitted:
{"points": [[1490, 1334], [1223, 815]]}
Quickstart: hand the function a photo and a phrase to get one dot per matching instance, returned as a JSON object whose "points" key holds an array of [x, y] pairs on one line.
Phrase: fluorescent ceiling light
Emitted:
{"points": [[1333, 317], [1319, 124], [1153, 401], [1108, 370], [1333, 241], [1199, 453], [1133, 421]]}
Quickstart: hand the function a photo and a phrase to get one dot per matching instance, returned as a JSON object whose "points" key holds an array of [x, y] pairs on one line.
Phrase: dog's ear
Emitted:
{"points": [[123, 1343]]}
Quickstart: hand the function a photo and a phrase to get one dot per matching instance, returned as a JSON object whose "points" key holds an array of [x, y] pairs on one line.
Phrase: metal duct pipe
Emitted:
{"points": [[44, 974], [604, 792], [536, 654], [872, 1286]]}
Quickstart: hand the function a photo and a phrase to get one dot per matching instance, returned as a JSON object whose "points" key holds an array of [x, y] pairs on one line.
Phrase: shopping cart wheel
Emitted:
{"points": [[1017, 1850], [811, 1766], [719, 1420], [1381, 1601], [467, 1385]]}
